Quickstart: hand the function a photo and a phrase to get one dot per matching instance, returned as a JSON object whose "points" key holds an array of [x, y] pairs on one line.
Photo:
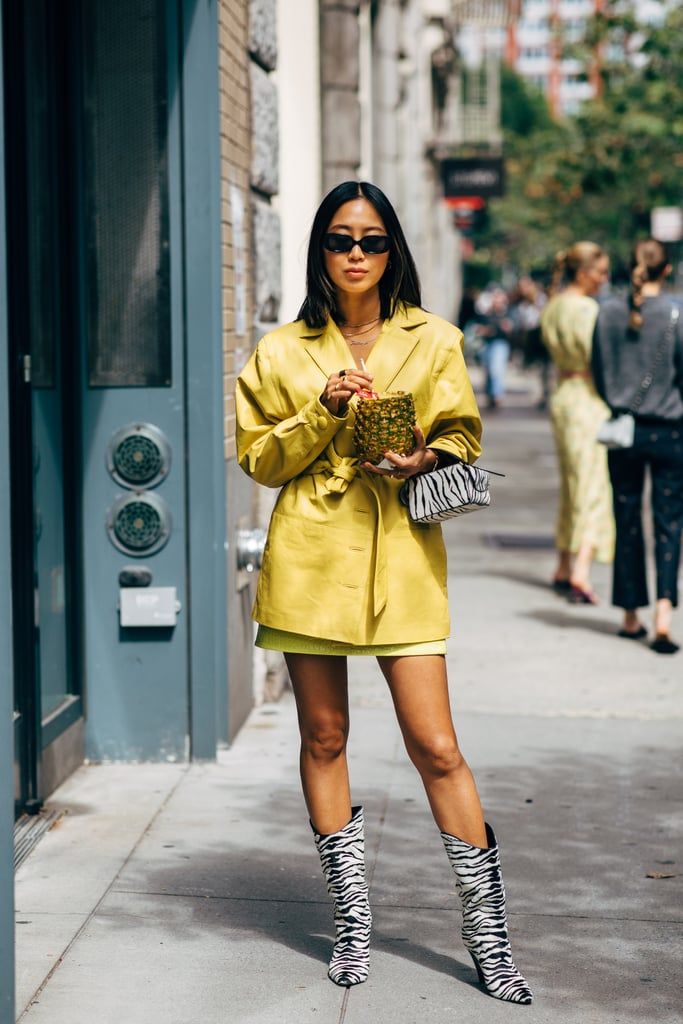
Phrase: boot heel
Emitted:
{"points": [[478, 968]]}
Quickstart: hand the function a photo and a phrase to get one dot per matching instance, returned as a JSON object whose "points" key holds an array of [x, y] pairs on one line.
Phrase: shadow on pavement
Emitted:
{"points": [[569, 620], [578, 833], [527, 579]]}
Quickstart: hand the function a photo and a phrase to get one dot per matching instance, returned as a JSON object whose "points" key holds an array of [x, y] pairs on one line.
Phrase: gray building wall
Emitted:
{"points": [[386, 85], [339, 82], [264, 170], [268, 667], [6, 667]]}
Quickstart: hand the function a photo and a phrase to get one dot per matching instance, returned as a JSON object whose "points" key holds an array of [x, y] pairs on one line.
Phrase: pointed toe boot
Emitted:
{"points": [[479, 884], [342, 857]]}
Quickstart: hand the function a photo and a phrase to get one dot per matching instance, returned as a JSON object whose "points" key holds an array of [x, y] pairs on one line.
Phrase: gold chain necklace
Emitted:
{"points": [[373, 321], [357, 333]]}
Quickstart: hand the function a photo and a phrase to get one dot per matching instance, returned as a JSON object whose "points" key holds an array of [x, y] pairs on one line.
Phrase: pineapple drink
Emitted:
{"points": [[384, 423]]}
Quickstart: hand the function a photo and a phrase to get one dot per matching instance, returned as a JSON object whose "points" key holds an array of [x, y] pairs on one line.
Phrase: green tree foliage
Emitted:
{"points": [[523, 107], [598, 174]]}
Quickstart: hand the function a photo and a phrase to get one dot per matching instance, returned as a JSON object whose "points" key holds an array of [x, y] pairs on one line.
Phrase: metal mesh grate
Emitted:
{"points": [[129, 342], [486, 12], [138, 459], [138, 525], [520, 541], [29, 830]]}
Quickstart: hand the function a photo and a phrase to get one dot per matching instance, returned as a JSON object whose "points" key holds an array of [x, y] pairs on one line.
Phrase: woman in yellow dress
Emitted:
{"points": [[346, 572], [585, 524]]}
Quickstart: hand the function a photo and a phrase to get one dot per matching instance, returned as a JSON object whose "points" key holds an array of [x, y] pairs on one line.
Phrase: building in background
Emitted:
{"points": [[535, 44], [397, 93], [542, 32]]}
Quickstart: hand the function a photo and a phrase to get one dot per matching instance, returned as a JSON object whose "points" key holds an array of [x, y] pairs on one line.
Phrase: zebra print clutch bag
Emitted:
{"points": [[446, 493]]}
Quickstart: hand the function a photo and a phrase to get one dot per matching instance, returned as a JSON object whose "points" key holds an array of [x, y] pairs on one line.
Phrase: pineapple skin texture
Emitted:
{"points": [[384, 424]]}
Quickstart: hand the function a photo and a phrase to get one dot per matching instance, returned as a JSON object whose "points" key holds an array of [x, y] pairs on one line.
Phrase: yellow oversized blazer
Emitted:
{"points": [[343, 561]]}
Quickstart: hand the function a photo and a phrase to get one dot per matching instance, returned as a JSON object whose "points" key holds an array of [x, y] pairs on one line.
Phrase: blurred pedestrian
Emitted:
{"points": [[494, 326], [468, 306], [638, 360], [346, 573], [585, 525], [527, 304]]}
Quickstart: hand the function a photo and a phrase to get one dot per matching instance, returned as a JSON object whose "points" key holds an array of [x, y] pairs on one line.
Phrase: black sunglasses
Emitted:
{"points": [[371, 245]]}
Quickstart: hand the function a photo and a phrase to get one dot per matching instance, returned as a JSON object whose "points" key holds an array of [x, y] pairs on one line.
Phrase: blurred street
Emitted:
{"points": [[176, 179], [193, 895]]}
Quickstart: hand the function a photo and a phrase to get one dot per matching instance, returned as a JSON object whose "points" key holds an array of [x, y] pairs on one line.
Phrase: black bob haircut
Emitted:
{"points": [[399, 283]]}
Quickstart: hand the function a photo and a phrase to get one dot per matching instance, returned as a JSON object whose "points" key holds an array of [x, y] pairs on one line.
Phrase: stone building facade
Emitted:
{"points": [[249, 185], [236, 229], [340, 85], [387, 117], [251, 276]]}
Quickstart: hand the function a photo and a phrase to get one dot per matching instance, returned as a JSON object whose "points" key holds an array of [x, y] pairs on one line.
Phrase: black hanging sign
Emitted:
{"points": [[474, 176]]}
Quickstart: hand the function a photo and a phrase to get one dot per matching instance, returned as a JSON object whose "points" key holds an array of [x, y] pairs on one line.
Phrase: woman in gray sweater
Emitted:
{"points": [[635, 339]]}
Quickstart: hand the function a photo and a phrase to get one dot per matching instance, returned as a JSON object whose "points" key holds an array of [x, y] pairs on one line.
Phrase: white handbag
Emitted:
{"points": [[620, 431], [446, 493]]}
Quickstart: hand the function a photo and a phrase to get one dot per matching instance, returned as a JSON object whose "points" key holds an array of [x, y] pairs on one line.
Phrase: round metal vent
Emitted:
{"points": [[139, 524], [139, 455]]}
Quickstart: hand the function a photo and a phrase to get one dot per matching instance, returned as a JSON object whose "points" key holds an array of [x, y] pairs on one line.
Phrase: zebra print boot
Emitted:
{"points": [[342, 856], [479, 883]]}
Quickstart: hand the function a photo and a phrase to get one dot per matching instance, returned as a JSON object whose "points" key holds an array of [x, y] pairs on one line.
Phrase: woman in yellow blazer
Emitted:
{"points": [[346, 572]]}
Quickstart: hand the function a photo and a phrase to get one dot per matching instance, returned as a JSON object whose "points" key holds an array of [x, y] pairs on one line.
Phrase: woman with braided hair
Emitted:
{"points": [[639, 341], [585, 525]]}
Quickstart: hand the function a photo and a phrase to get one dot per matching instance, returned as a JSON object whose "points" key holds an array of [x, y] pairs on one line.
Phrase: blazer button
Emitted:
{"points": [[322, 422]]}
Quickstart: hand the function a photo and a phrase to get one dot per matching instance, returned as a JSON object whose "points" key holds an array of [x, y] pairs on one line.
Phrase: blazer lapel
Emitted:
{"points": [[326, 347], [395, 346], [328, 350]]}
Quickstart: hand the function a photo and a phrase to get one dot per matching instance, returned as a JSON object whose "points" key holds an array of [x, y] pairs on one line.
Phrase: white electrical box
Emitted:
{"points": [[148, 606]]}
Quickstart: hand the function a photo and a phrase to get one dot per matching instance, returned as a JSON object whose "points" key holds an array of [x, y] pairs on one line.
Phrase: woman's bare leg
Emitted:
{"points": [[564, 566], [581, 573], [632, 621], [320, 685], [663, 616], [419, 689]]}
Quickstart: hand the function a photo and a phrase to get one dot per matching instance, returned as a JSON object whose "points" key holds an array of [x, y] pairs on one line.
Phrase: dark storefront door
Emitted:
{"points": [[44, 387]]}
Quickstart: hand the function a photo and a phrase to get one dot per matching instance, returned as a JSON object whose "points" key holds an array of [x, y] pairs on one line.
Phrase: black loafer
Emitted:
{"points": [[639, 633], [561, 586], [663, 644]]}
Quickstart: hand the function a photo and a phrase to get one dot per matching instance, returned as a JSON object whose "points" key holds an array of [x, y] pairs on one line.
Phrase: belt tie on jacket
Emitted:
{"points": [[339, 471]]}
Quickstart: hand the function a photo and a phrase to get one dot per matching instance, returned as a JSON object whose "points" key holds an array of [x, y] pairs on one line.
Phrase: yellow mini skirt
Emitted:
{"points": [[298, 643]]}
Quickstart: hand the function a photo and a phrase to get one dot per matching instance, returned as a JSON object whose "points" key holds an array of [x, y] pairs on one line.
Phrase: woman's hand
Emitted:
{"points": [[341, 387], [421, 460]]}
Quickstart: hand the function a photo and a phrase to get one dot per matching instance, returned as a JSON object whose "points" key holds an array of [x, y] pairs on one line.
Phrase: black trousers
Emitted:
{"points": [[659, 446]]}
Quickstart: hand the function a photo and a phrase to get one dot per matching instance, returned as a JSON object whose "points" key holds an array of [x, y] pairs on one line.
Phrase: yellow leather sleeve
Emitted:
{"points": [[273, 447], [454, 419]]}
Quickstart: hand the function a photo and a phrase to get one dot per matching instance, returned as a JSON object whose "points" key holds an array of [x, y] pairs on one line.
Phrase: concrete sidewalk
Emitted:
{"points": [[194, 895]]}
